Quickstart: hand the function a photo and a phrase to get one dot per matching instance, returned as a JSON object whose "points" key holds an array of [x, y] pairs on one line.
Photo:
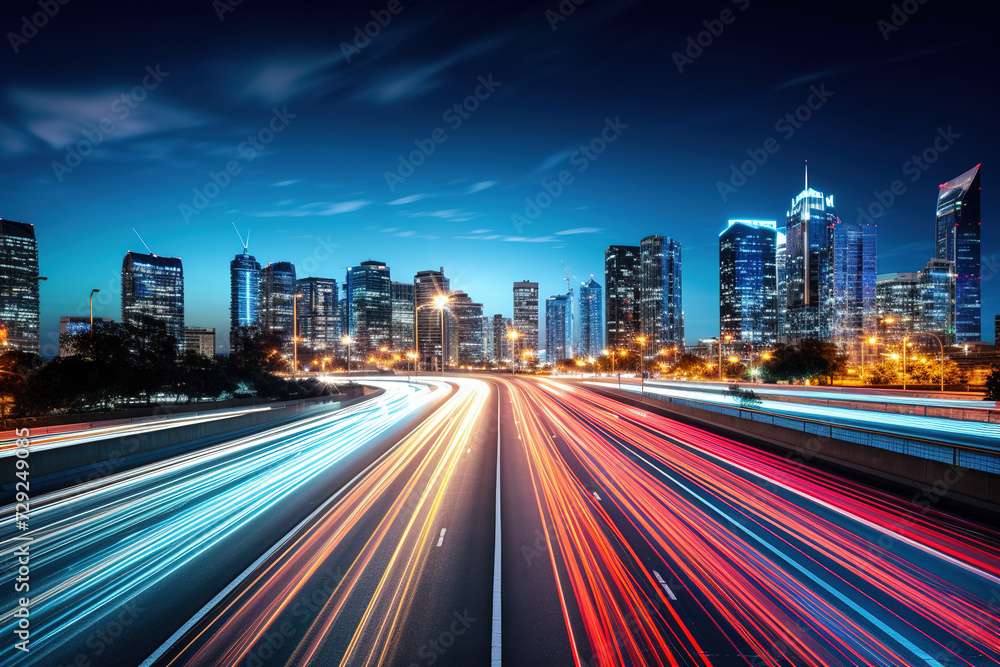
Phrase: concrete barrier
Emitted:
{"points": [[931, 479], [87, 461]]}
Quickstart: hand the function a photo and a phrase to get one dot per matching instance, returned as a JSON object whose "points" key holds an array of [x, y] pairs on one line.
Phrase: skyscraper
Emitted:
{"points": [[591, 319], [277, 295], [854, 268], [403, 297], [748, 298], [501, 344], [317, 312], [938, 302], [154, 286], [661, 311], [467, 343], [809, 264], [781, 276], [622, 276], [19, 303], [957, 239], [73, 325], [368, 297], [427, 285], [489, 351], [897, 297], [244, 297], [526, 316], [558, 327]]}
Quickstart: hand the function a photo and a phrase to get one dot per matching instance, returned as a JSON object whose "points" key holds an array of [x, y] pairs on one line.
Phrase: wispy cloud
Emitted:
{"points": [[480, 186], [409, 199], [282, 184], [579, 230], [279, 81], [317, 208], [59, 118]]}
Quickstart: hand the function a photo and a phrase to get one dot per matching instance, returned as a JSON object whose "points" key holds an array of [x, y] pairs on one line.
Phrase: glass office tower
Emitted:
{"points": [[427, 332], [154, 286], [526, 316], [317, 312], [748, 296], [854, 269], [244, 290], [622, 275], [591, 319], [809, 265], [467, 345], [19, 303], [403, 297], [277, 294], [661, 312], [501, 344], [368, 297], [957, 239], [558, 328]]}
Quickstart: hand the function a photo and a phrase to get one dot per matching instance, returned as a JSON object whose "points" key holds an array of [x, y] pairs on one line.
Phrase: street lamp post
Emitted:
{"points": [[92, 293], [871, 341], [728, 338], [346, 340], [295, 334], [642, 375], [513, 335]]}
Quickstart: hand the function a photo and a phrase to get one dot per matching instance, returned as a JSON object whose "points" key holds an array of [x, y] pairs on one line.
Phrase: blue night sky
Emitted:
{"points": [[316, 193]]}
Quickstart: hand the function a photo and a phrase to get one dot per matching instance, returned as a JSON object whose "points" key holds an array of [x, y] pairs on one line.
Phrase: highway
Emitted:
{"points": [[854, 395], [396, 570], [162, 539], [952, 431], [665, 545], [369, 536]]}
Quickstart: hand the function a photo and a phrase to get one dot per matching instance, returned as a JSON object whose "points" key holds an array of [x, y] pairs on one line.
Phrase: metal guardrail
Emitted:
{"points": [[965, 456]]}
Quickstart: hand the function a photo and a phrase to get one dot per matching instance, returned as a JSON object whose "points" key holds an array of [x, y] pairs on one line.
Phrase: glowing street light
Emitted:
{"points": [[346, 340]]}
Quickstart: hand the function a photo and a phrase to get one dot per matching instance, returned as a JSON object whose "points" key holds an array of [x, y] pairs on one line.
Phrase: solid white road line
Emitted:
{"points": [[495, 647]]}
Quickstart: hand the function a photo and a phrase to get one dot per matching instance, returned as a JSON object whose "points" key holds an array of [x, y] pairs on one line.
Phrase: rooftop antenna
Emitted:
{"points": [[807, 174], [143, 242], [246, 244]]}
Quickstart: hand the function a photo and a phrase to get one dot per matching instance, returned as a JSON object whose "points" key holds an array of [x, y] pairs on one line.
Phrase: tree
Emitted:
{"points": [[256, 350], [15, 369], [690, 364], [993, 385], [810, 359]]}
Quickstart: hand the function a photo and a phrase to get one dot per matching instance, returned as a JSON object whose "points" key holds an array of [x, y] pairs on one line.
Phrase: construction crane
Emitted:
{"points": [[569, 285]]}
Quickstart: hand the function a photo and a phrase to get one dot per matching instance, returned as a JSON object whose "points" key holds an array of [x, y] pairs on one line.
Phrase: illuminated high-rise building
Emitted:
{"points": [[403, 297], [748, 296], [467, 345], [318, 313], [428, 330], [526, 316], [277, 295], [854, 268], [938, 300], [368, 298], [957, 239], [19, 303], [622, 313], [660, 304], [558, 327], [897, 297], [244, 290], [501, 326], [809, 265], [591, 319], [153, 286]]}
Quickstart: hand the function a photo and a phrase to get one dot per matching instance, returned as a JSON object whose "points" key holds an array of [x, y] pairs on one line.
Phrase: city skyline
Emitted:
{"points": [[317, 195]]}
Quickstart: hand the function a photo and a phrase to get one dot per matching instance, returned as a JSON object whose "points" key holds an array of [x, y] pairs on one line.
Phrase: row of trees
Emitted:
{"points": [[122, 364]]}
